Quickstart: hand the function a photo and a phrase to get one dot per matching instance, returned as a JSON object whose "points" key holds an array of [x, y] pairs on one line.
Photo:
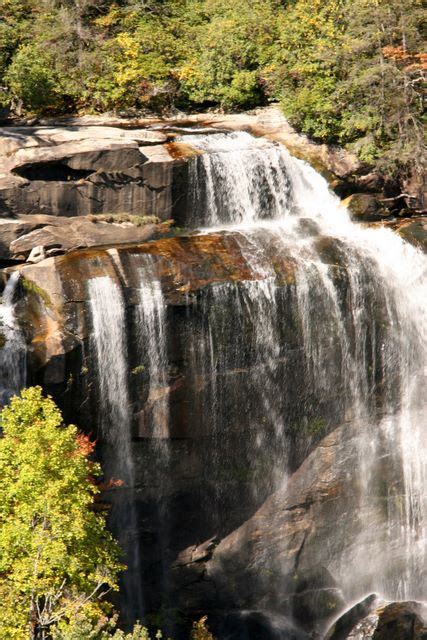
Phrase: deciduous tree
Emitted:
{"points": [[57, 559]]}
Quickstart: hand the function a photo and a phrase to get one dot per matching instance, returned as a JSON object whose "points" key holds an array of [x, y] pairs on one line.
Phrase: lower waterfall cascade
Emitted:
{"points": [[326, 335], [13, 351]]}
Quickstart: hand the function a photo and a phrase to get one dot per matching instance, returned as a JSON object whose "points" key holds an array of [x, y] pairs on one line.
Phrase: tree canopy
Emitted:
{"points": [[345, 71]]}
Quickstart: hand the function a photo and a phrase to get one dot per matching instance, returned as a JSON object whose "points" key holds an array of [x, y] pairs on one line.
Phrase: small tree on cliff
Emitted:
{"points": [[56, 558]]}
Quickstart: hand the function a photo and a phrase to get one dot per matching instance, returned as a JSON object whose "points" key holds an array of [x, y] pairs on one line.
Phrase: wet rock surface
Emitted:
{"points": [[365, 207], [413, 230], [270, 552], [255, 561], [389, 620], [278, 557]]}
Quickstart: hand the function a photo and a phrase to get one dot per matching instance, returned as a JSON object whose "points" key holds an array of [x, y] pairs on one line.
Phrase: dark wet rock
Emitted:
{"points": [[391, 621], [279, 557], [366, 207], [402, 621], [413, 230], [257, 625], [346, 623]]}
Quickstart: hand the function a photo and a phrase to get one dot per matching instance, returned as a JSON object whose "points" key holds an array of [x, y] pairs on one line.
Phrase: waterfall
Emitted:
{"points": [[152, 346], [110, 350], [12, 345], [365, 354], [154, 420], [109, 344], [328, 332], [237, 179]]}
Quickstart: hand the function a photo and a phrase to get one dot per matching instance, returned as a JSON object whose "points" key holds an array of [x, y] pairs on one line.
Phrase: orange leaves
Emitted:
{"points": [[412, 61], [85, 445]]}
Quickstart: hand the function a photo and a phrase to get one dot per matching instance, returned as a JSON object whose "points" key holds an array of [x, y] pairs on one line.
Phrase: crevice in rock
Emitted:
{"points": [[52, 171]]}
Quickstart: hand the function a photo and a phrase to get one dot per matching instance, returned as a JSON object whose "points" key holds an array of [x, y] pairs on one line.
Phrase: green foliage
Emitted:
{"points": [[345, 71], [81, 628], [104, 628], [31, 77], [230, 46], [56, 558], [350, 73]]}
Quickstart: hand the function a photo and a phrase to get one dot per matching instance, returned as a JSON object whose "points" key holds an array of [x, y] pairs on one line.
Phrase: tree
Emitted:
{"points": [[57, 560], [230, 43], [351, 72]]}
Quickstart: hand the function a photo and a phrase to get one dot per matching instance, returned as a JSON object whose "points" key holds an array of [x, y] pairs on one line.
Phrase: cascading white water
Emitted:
{"points": [[341, 340], [151, 331], [109, 345], [12, 350], [237, 179], [372, 346], [152, 345], [110, 350]]}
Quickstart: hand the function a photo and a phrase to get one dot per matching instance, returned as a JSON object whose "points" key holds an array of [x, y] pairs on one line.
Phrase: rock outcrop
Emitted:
{"points": [[263, 560], [266, 566], [54, 235], [80, 170], [279, 557], [90, 165]]}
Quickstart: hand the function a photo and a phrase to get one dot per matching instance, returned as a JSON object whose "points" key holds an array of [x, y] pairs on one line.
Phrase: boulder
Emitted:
{"points": [[341, 629], [52, 235], [279, 558], [401, 621], [413, 230], [389, 621], [365, 207]]}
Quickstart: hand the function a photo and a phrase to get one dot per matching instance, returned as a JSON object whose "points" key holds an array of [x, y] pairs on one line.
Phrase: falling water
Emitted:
{"points": [[152, 346], [110, 349], [237, 179], [330, 330], [358, 304], [12, 345]]}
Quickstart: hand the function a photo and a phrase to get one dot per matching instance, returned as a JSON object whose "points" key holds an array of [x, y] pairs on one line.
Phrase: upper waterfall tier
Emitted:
{"points": [[236, 179]]}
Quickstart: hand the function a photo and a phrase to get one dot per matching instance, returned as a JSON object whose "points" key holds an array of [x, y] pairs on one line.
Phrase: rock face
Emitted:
{"points": [[90, 165], [413, 230], [203, 278], [387, 620], [264, 569], [82, 170], [279, 556], [365, 207]]}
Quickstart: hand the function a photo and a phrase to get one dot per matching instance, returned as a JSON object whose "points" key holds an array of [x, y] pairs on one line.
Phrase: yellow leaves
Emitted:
{"points": [[110, 19], [49, 534], [128, 43], [189, 71], [127, 74]]}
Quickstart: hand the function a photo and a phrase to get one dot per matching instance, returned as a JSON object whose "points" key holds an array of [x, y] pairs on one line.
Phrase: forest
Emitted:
{"points": [[347, 72]]}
